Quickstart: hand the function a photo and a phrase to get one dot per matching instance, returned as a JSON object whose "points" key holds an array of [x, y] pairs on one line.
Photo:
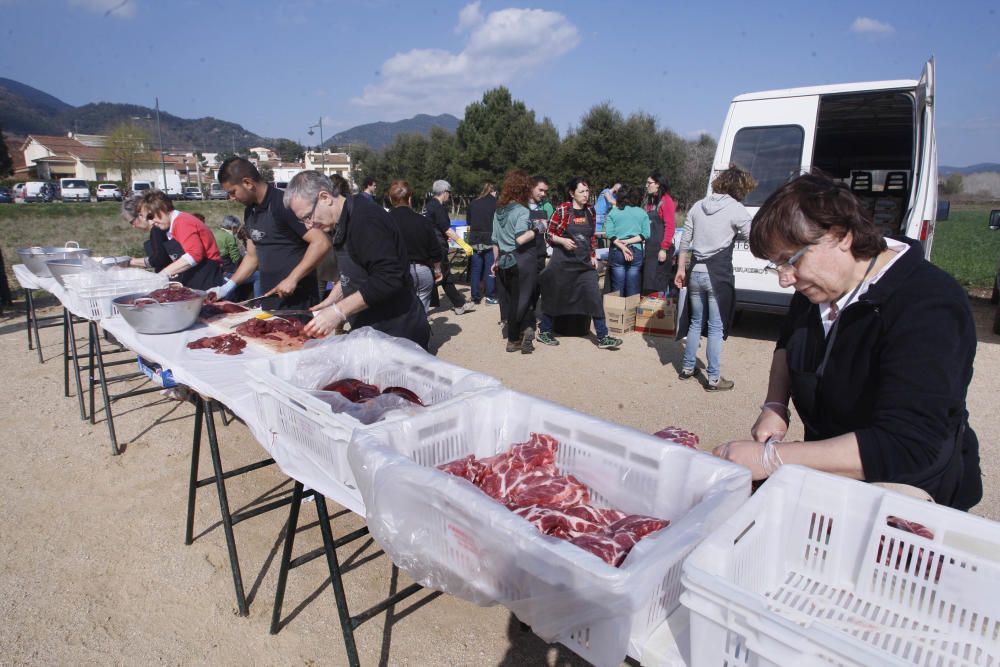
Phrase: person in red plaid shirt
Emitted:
{"points": [[569, 282]]}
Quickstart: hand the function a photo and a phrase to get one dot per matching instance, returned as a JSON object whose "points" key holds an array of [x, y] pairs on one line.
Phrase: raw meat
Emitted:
{"points": [[357, 391], [678, 435], [527, 481], [269, 328], [405, 393], [910, 526], [213, 308], [174, 293], [230, 344]]}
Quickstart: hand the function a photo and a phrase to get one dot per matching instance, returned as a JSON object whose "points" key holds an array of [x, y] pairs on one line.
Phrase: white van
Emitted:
{"points": [[74, 189], [876, 137], [140, 188]]}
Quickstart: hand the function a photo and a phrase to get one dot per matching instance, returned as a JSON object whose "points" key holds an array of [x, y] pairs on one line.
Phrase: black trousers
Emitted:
{"points": [[448, 285], [517, 319]]}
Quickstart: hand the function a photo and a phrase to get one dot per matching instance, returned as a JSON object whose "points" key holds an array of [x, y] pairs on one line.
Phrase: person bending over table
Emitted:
{"points": [[200, 267], [375, 288], [284, 250], [876, 351], [160, 250]]}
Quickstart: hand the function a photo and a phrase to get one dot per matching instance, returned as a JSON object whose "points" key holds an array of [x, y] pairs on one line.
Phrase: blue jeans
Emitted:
{"points": [[699, 294], [482, 262], [600, 325], [626, 277]]}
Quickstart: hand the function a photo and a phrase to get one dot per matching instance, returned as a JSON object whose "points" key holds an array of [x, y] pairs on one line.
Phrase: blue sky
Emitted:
{"points": [[277, 67]]}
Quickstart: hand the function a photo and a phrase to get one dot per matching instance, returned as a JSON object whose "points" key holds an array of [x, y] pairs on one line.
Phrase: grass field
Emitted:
{"points": [[964, 245]]}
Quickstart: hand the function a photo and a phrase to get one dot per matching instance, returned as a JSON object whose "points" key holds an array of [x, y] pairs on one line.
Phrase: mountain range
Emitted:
{"points": [[26, 110], [982, 167]]}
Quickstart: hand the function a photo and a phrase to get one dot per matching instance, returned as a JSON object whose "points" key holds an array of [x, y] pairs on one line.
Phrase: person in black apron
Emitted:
{"points": [[657, 265], [281, 247], [200, 265], [713, 225], [375, 288], [158, 250], [569, 283], [514, 236], [876, 351]]}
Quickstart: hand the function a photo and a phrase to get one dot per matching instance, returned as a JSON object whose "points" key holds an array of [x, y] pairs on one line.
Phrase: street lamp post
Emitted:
{"points": [[163, 165], [322, 153]]}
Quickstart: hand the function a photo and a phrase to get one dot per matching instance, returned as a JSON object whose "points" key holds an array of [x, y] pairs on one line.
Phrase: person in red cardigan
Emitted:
{"points": [[200, 267]]}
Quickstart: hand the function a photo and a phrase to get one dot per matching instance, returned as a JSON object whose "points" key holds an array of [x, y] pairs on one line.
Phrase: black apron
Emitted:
{"points": [[411, 324], [720, 273], [523, 314], [655, 276], [279, 250], [569, 283], [204, 275]]}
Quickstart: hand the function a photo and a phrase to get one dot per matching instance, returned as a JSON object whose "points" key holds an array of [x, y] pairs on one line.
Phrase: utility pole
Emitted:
{"points": [[159, 132]]}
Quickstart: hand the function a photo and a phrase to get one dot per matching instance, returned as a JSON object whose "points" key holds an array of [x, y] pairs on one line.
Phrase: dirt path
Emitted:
{"points": [[94, 569]]}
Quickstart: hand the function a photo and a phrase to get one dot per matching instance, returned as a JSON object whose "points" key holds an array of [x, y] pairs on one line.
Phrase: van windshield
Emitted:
{"points": [[141, 186], [74, 184]]}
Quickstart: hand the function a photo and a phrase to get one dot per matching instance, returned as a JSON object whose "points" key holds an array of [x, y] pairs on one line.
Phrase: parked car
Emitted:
{"points": [[40, 191], [74, 189], [217, 192], [6, 196], [108, 191], [193, 193]]}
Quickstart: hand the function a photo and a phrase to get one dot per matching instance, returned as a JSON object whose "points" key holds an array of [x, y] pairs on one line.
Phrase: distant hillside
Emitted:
{"points": [[25, 110], [982, 167], [381, 134]]}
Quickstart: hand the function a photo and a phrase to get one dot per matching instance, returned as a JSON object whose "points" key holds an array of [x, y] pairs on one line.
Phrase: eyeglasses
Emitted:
{"points": [[308, 218], [789, 264]]}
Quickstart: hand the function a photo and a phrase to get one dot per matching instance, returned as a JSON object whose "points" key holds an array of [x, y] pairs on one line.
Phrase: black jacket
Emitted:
{"points": [[480, 219], [418, 236], [897, 377]]}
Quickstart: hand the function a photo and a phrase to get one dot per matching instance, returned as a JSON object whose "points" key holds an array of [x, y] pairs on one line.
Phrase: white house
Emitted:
{"points": [[80, 156], [330, 163], [262, 154]]}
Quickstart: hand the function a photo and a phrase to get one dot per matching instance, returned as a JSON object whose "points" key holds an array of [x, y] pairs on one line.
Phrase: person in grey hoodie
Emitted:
{"points": [[713, 224], [515, 259]]}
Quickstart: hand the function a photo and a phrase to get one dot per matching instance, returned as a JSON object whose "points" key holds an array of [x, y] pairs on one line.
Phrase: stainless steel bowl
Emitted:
{"points": [[35, 257], [59, 268], [149, 316]]}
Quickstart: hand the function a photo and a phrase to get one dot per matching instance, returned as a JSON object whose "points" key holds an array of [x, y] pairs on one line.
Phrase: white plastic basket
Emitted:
{"points": [[809, 572], [448, 535], [92, 292], [314, 439]]}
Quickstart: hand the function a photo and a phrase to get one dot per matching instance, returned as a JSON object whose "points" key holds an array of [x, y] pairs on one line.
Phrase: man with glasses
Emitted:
{"points": [[285, 250], [437, 213], [375, 288]]}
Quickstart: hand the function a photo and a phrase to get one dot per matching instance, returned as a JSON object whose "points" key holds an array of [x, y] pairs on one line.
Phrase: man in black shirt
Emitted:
{"points": [[438, 215], [375, 288], [282, 247]]}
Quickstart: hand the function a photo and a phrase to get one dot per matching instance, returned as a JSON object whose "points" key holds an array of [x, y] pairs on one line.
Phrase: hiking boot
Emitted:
{"points": [[609, 343], [467, 307], [719, 384], [513, 345], [546, 338], [686, 373], [527, 341], [491, 301]]}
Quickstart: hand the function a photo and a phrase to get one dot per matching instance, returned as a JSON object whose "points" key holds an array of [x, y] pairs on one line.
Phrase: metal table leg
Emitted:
{"points": [[75, 355], [348, 623], [206, 411]]}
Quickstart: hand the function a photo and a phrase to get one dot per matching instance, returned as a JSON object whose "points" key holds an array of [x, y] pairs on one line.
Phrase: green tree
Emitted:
{"points": [[289, 150], [949, 186], [125, 147], [6, 163], [266, 173]]}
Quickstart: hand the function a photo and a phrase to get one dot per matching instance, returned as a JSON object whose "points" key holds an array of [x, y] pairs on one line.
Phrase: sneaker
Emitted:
{"points": [[467, 307], [477, 301], [527, 341], [609, 343], [719, 384], [513, 345], [546, 338], [491, 301], [686, 374]]}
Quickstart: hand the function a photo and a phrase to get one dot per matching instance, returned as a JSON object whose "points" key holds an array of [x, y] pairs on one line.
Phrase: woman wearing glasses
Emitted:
{"points": [[712, 226], [658, 258], [876, 351]]}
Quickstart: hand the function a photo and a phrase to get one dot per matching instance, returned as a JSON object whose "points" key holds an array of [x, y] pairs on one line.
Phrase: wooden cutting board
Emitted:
{"points": [[228, 322]]}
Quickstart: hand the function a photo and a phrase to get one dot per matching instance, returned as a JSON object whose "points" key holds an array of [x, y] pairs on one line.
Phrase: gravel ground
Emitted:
{"points": [[94, 569]]}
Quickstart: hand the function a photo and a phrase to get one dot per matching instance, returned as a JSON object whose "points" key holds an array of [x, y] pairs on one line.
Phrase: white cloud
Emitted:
{"points": [[123, 9], [469, 17], [500, 48], [868, 26]]}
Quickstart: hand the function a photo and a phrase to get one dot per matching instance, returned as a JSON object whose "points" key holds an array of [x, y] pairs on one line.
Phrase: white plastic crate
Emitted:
{"points": [[314, 439], [809, 572], [448, 535], [91, 293]]}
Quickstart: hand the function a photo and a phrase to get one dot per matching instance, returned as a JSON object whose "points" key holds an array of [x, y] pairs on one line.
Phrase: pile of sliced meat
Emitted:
{"points": [[174, 293], [357, 391], [230, 344], [269, 328], [526, 480], [213, 308], [678, 435]]}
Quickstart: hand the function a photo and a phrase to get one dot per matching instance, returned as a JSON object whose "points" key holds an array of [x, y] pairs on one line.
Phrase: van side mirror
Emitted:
{"points": [[995, 219], [943, 210]]}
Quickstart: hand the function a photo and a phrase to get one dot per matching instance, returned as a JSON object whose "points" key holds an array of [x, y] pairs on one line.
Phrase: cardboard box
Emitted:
{"points": [[619, 312], [656, 317]]}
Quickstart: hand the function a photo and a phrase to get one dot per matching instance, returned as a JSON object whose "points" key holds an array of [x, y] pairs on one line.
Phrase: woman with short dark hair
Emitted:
{"points": [[876, 351], [626, 228]]}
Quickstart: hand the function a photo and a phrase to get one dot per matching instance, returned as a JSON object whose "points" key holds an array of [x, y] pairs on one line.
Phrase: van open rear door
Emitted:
{"points": [[924, 209]]}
